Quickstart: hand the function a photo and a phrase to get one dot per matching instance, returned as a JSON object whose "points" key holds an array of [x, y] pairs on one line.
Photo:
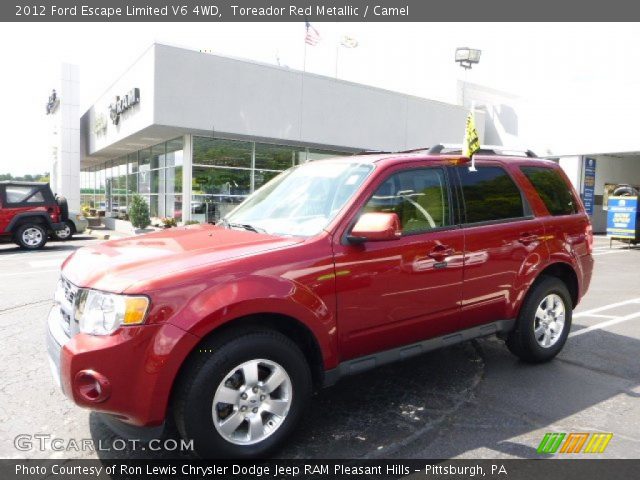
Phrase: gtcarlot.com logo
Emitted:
{"points": [[45, 442], [574, 443]]}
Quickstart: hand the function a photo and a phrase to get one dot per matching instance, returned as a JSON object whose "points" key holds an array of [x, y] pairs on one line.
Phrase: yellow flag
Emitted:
{"points": [[471, 142]]}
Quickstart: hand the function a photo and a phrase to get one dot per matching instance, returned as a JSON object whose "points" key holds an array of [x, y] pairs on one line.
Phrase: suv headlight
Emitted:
{"points": [[101, 313]]}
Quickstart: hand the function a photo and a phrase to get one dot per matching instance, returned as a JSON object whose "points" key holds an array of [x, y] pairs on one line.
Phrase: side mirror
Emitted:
{"points": [[375, 227]]}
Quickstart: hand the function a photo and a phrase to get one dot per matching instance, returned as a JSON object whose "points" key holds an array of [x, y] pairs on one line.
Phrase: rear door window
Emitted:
{"points": [[490, 195], [552, 189]]}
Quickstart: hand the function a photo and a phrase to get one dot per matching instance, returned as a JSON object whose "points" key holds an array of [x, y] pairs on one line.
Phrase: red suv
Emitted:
{"points": [[29, 213], [332, 268]]}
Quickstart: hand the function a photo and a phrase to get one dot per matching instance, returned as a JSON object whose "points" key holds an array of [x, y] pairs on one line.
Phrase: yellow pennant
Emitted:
{"points": [[471, 142]]}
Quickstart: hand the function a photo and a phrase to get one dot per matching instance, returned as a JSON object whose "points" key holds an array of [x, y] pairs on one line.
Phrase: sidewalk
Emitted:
{"points": [[103, 233]]}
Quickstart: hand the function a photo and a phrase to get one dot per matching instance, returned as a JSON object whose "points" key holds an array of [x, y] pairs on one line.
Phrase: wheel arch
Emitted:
{"points": [[288, 326], [23, 218], [566, 273]]}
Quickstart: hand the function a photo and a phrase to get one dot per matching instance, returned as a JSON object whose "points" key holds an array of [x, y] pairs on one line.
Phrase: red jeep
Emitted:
{"points": [[29, 213], [332, 268]]}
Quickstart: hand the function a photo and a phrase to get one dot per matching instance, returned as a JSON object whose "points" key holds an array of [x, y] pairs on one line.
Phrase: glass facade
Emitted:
{"points": [[224, 173], [155, 173]]}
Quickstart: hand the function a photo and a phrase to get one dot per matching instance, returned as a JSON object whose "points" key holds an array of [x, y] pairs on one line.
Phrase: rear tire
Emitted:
{"points": [[544, 322], [31, 236], [226, 399]]}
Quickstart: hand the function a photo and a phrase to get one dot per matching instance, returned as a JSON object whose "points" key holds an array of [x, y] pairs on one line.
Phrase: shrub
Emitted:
{"points": [[192, 222], [139, 212], [169, 222]]}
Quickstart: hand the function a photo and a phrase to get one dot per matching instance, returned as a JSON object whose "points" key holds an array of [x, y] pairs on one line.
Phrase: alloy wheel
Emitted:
{"points": [[252, 402], [549, 321], [32, 236], [64, 233]]}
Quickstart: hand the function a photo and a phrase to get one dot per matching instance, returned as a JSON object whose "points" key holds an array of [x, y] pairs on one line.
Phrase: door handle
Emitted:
{"points": [[441, 252], [527, 238]]}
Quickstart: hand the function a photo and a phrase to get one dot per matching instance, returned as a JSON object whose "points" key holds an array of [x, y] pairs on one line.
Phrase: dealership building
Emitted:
{"points": [[195, 133]]}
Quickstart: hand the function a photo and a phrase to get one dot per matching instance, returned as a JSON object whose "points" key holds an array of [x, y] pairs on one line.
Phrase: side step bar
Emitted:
{"points": [[362, 364]]}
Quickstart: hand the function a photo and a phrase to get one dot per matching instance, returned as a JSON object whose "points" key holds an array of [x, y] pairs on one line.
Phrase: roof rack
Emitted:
{"points": [[372, 152], [484, 149]]}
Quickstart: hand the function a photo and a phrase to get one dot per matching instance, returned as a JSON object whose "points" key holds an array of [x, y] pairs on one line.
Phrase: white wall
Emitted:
{"points": [[140, 75], [202, 92]]}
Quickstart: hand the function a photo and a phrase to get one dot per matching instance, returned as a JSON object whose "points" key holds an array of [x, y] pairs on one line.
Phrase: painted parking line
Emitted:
{"points": [[609, 252], [589, 313], [608, 323], [610, 319]]}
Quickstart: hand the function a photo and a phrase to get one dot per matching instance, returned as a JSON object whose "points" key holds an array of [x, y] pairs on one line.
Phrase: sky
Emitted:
{"points": [[566, 72]]}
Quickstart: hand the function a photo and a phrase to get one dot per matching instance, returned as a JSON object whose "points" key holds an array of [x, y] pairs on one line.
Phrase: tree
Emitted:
{"points": [[26, 178], [139, 212]]}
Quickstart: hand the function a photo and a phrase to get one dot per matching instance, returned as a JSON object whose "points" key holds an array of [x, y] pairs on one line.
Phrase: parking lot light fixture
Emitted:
{"points": [[467, 57]]}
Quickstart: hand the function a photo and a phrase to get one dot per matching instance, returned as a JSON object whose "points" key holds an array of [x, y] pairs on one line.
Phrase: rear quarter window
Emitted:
{"points": [[17, 193], [552, 189]]}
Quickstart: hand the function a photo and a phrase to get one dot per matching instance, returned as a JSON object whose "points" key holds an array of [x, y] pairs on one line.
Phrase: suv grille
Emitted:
{"points": [[65, 298]]}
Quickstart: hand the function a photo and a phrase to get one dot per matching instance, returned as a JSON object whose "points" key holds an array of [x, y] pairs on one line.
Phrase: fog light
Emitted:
{"points": [[92, 386]]}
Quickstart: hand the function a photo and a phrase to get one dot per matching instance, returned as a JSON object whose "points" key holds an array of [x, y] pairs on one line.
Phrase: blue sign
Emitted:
{"points": [[589, 184], [621, 217]]}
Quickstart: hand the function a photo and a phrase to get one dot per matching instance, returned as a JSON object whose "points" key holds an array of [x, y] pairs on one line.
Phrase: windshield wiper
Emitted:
{"points": [[246, 226]]}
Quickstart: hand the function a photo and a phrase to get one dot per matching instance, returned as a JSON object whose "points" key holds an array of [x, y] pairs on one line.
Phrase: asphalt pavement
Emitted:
{"points": [[473, 400]]}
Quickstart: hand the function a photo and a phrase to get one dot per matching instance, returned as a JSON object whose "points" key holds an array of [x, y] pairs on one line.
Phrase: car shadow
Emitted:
{"points": [[409, 409]]}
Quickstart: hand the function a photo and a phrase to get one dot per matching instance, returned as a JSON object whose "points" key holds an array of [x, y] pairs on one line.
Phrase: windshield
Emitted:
{"points": [[301, 201]]}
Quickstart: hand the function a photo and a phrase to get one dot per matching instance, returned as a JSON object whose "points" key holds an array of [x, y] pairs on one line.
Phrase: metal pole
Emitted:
{"points": [[304, 70], [337, 54]]}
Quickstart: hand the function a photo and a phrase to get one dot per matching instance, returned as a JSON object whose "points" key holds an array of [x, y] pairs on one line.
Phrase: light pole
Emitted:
{"points": [[467, 57]]}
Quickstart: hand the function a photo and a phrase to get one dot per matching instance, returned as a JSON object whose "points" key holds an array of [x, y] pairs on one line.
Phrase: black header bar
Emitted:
{"points": [[318, 11]]}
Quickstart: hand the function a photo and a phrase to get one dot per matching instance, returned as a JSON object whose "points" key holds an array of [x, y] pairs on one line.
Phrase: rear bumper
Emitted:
{"points": [[137, 365], [586, 265], [81, 225]]}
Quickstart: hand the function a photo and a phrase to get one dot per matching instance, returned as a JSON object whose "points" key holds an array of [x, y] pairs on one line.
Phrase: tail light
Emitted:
{"points": [[589, 235], [54, 213]]}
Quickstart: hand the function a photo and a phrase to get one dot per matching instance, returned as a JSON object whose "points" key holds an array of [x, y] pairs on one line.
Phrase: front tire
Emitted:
{"points": [[243, 394], [64, 234], [31, 236], [544, 322]]}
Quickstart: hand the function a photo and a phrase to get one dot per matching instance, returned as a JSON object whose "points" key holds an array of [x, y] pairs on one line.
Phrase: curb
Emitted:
{"points": [[99, 236], [103, 236]]}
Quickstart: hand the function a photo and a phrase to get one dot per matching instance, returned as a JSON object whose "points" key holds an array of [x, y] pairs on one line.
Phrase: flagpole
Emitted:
{"points": [[304, 71], [304, 58]]}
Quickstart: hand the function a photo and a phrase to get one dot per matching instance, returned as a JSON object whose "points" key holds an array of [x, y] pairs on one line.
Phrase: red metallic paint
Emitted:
{"points": [[354, 298]]}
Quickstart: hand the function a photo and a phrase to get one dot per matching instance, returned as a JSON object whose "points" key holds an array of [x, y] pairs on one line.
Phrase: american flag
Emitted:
{"points": [[312, 36]]}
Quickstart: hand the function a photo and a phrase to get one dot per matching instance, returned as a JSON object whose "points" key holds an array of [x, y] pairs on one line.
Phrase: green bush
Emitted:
{"points": [[169, 222], [139, 212], [192, 222]]}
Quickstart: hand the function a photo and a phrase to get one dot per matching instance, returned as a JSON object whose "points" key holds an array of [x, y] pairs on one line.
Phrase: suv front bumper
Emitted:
{"points": [[133, 370]]}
